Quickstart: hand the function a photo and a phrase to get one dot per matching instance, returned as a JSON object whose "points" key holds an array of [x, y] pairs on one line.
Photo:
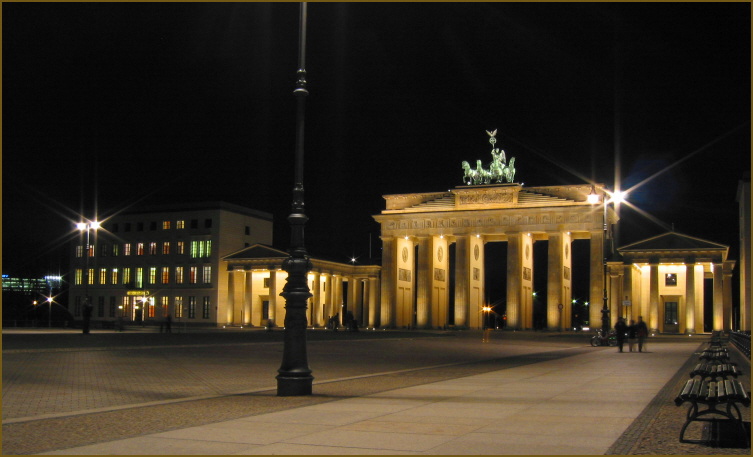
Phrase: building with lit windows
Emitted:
{"points": [[144, 264]]}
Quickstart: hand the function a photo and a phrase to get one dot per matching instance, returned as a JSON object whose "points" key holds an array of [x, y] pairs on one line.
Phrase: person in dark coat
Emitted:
{"points": [[620, 330], [632, 332], [642, 331]]}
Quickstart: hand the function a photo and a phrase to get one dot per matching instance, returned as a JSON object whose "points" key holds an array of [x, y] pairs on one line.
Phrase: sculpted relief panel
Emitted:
{"points": [[424, 226]]}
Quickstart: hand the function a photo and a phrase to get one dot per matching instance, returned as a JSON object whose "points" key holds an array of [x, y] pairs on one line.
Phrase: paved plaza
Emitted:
{"points": [[214, 392]]}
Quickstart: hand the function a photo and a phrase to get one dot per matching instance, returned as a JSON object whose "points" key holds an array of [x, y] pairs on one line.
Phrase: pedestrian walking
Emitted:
{"points": [[632, 332], [642, 332], [620, 330]]}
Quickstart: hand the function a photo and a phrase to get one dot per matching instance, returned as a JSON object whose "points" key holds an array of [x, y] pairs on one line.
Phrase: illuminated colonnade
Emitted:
{"points": [[663, 279], [417, 231], [256, 279]]}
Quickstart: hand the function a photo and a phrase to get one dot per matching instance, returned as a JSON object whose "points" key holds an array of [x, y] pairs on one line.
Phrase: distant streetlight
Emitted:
{"points": [[88, 226], [49, 319], [606, 198]]}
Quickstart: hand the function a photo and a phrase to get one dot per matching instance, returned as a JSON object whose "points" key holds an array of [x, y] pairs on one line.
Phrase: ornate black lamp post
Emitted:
{"points": [[294, 376], [88, 306]]}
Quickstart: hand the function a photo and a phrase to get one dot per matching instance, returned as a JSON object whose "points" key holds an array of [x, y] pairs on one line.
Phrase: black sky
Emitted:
{"points": [[109, 104]]}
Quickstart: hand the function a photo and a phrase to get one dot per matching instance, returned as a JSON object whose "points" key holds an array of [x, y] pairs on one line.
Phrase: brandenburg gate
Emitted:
{"points": [[417, 231]]}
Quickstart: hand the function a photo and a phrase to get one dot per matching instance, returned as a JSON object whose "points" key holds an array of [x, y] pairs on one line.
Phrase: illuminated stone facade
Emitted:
{"points": [[665, 278], [256, 279], [418, 229]]}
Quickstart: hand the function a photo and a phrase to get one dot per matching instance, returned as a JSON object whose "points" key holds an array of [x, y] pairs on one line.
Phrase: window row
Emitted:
{"points": [[138, 276], [138, 308], [198, 249], [180, 224]]}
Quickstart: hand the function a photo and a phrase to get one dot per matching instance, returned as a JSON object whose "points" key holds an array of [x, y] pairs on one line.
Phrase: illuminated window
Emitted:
{"points": [[114, 276], [165, 304], [181, 247], [139, 283], [91, 250], [192, 275], [150, 307], [266, 282], [79, 279], [90, 276], [165, 275], [152, 275], [201, 248], [670, 279], [205, 309], [126, 275], [191, 307], [180, 224], [79, 251], [152, 248], [103, 275], [115, 250], [165, 225], [140, 249], [166, 248], [127, 249], [178, 307], [179, 275], [207, 275]]}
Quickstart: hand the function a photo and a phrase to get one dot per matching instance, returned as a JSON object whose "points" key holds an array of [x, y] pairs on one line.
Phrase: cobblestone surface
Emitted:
{"points": [[57, 396]]}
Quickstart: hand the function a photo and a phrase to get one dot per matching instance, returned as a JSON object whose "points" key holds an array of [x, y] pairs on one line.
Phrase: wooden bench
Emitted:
{"points": [[715, 370], [716, 355], [726, 393]]}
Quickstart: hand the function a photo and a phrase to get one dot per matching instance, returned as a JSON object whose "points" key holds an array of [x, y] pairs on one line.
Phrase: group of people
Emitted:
{"points": [[636, 332]]}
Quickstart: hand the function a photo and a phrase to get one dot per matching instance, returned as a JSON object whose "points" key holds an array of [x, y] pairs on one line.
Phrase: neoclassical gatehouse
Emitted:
{"points": [[666, 279], [256, 280]]}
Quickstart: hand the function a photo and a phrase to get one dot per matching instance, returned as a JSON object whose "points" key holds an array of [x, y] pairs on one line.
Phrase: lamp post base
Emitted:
{"points": [[292, 386]]}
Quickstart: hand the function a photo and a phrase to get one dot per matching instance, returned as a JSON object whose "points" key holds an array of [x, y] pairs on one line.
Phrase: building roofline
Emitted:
{"points": [[198, 206]]}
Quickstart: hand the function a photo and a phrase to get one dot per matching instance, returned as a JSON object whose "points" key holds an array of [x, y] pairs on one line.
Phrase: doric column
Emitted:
{"points": [[554, 283], [718, 309], [627, 294], [273, 293], [727, 321], [690, 305], [373, 310], [615, 294], [328, 298], [423, 282], [514, 280], [462, 280], [389, 277], [596, 289], [317, 319], [653, 297], [230, 296], [248, 297], [352, 296]]}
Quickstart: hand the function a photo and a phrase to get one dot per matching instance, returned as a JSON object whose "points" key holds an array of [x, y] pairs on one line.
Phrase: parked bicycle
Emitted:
{"points": [[600, 340]]}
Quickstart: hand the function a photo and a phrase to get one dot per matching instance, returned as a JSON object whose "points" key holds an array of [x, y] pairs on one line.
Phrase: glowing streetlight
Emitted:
{"points": [[607, 197], [88, 226]]}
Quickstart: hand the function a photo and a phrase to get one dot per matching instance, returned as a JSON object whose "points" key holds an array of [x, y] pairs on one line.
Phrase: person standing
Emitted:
{"points": [[642, 333], [620, 329], [632, 332]]}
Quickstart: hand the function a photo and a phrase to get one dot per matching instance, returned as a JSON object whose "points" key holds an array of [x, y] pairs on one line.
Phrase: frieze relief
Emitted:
{"points": [[415, 225]]}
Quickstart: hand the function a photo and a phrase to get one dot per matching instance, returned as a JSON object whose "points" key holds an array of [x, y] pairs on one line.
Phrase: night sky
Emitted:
{"points": [[107, 105]]}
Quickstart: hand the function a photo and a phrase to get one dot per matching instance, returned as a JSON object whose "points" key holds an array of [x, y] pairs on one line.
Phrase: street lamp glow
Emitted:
{"points": [[618, 196]]}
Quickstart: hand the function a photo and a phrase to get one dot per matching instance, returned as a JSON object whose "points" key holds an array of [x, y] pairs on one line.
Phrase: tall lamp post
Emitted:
{"points": [[88, 226], [606, 198], [294, 376]]}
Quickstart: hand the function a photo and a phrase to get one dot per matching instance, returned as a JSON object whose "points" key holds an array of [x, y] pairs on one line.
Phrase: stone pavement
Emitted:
{"points": [[521, 393]]}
